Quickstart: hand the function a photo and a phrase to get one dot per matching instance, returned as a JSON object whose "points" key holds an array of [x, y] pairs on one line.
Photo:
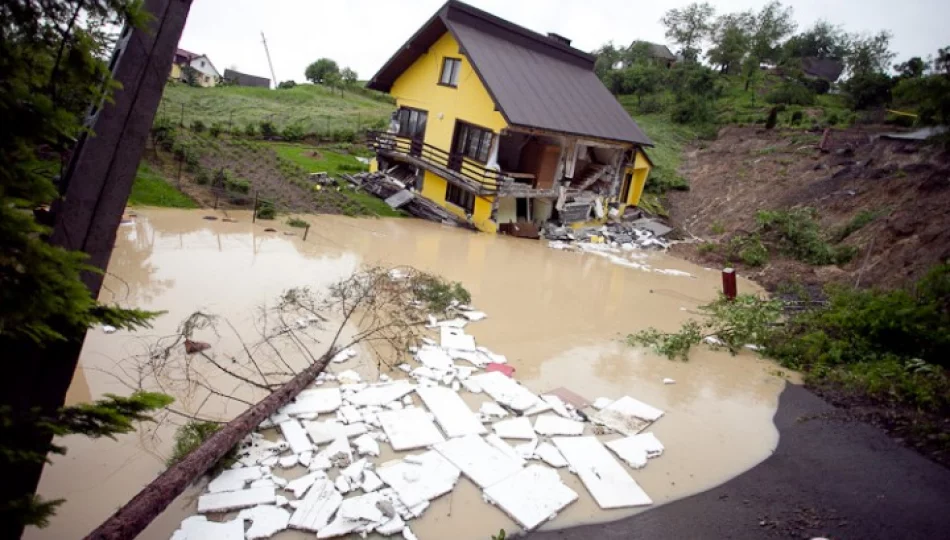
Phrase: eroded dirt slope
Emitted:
{"points": [[906, 186]]}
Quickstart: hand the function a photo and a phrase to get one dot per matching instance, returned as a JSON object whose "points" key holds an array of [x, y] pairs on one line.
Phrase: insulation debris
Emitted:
{"points": [[456, 339], [551, 424], [425, 477], [234, 500], [450, 411], [516, 428], [343, 356], [381, 394], [409, 428], [506, 391], [317, 400], [315, 510], [235, 479], [635, 450], [296, 436], [199, 528], [547, 453], [481, 462], [627, 416], [266, 521], [605, 479], [531, 496]]}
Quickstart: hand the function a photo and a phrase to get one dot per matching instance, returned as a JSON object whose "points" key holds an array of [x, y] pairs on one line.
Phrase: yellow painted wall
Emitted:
{"points": [[640, 170], [433, 188], [176, 72], [418, 88]]}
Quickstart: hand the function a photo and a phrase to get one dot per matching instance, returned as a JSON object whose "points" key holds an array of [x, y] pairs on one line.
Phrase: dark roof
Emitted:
{"points": [[657, 50], [535, 81], [243, 79], [825, 68], [188, 55]]}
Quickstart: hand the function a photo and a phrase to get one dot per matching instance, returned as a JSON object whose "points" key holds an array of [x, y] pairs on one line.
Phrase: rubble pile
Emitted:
{"points": [[315, 465]]}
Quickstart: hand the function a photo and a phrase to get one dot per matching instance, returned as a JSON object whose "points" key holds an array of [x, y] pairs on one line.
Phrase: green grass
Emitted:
{"points": [[315, 108], [669, 139], [330, 162], [150, 189]]}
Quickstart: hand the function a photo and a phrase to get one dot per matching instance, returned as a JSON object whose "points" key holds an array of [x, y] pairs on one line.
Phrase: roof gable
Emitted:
{"points": [[535, 81]]}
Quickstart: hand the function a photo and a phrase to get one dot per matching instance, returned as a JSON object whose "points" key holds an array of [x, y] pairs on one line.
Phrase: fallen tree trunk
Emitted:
{"points": [[131, 519]]}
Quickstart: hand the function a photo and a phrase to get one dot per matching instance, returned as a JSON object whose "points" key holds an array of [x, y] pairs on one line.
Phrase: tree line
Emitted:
{"points": [[736, 47]]}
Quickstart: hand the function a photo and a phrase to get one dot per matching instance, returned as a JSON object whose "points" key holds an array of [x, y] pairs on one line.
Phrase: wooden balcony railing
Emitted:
{"points": [[452, 166]]}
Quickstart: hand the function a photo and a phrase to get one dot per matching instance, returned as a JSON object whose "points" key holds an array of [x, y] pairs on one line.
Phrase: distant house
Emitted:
{"points": [[243, 79], [660, 54], [207, 74], [828, 69], [500, 124]]}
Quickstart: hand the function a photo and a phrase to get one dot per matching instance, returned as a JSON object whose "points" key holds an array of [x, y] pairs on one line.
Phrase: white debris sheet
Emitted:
{"points": [[296, 436], [315, 510], [506, 390], [235, 479], [324, 432], [550, 455], [409, 428], [450, 411], [627, 416], [314, 400], [515, 428], [481, 462], [381, 394], [456, 339], [552, 424], [235, 500], [531, 496], [199, 528], [419, 478], [266, 520], [605, 478], [637, 449]]}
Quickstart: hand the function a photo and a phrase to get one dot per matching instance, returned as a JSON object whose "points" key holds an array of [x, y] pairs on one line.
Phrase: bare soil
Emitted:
{"points": [[749, 169]]}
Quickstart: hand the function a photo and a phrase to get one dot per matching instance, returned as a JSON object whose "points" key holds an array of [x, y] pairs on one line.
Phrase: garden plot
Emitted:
{"points": [[340, 431]]}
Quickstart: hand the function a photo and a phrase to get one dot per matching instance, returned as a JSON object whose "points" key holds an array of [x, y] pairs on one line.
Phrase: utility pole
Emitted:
{"points": [[93, 195], [269, 63]]}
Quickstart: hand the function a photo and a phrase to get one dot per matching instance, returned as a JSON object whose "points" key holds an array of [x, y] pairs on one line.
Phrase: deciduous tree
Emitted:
{"points": [[318, 71], [688, 27]]}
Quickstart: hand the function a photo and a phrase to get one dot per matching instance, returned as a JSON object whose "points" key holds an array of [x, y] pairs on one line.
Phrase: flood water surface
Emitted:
{"points": [[558, 316]]}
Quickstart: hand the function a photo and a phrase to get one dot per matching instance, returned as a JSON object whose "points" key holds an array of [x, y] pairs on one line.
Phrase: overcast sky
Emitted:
{"points": [[363, 34]]}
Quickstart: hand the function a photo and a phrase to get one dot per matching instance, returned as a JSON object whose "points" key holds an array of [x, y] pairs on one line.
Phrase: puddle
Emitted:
{"points": [[557, 315]]}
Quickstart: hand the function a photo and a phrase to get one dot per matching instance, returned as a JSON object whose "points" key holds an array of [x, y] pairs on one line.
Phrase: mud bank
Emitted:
{"points": [[557, 316]]}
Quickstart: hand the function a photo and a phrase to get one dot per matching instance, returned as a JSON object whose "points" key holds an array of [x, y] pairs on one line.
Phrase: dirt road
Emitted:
{"points": [[828, 478]]}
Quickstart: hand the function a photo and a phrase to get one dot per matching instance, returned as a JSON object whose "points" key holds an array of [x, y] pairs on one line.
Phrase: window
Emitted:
{"points": [[472, 142], [202, 63], [450, 71], [461, 198], [412, 123]]}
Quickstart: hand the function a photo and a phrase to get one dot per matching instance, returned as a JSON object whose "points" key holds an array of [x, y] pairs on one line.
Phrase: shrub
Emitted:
{"points": [[202, 177], [773, 118], [216, 129], [250, 130], [292, 133], [861, 219], [818, 86], [268, 129], [265, 209], [791, 93], [297, 222], [164, 134], [796, 233], [797, 117], [868, 91], [286, 84], [192, 435], [198, 126], [649, 105], [691, 110], [437, 293], [833, 119]]}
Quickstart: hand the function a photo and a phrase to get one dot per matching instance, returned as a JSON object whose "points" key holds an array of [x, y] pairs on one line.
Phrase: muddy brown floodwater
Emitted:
{"points": [[558, 316]]}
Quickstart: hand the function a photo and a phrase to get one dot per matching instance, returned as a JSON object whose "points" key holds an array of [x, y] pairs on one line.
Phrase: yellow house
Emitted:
{"points": [[500, 124]]}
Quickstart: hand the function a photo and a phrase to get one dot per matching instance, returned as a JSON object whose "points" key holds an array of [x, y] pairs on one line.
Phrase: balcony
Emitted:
{"points": [[455, 168]]}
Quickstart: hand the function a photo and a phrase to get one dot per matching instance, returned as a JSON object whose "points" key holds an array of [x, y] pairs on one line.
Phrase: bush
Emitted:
{"points": [[293, 133], [818, 86], [216, 129], [437, 293], [796, 234], [297, 222], [833, 119], [265, 209], [797, 117], [164, 134], [772, 119], [791, 93], [286, 84], [250, 130], [691, 110], [202, 177], [268, 129], [868, 91], [650, 105], [198, 126]]}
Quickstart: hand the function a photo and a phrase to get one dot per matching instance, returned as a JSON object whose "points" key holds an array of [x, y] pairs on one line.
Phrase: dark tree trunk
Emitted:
{"points": [[95, 191], [132, 518]]}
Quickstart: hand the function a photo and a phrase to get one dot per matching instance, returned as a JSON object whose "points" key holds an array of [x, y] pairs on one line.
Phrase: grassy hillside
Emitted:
{"points": [[151, 189], [314, 108]]}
